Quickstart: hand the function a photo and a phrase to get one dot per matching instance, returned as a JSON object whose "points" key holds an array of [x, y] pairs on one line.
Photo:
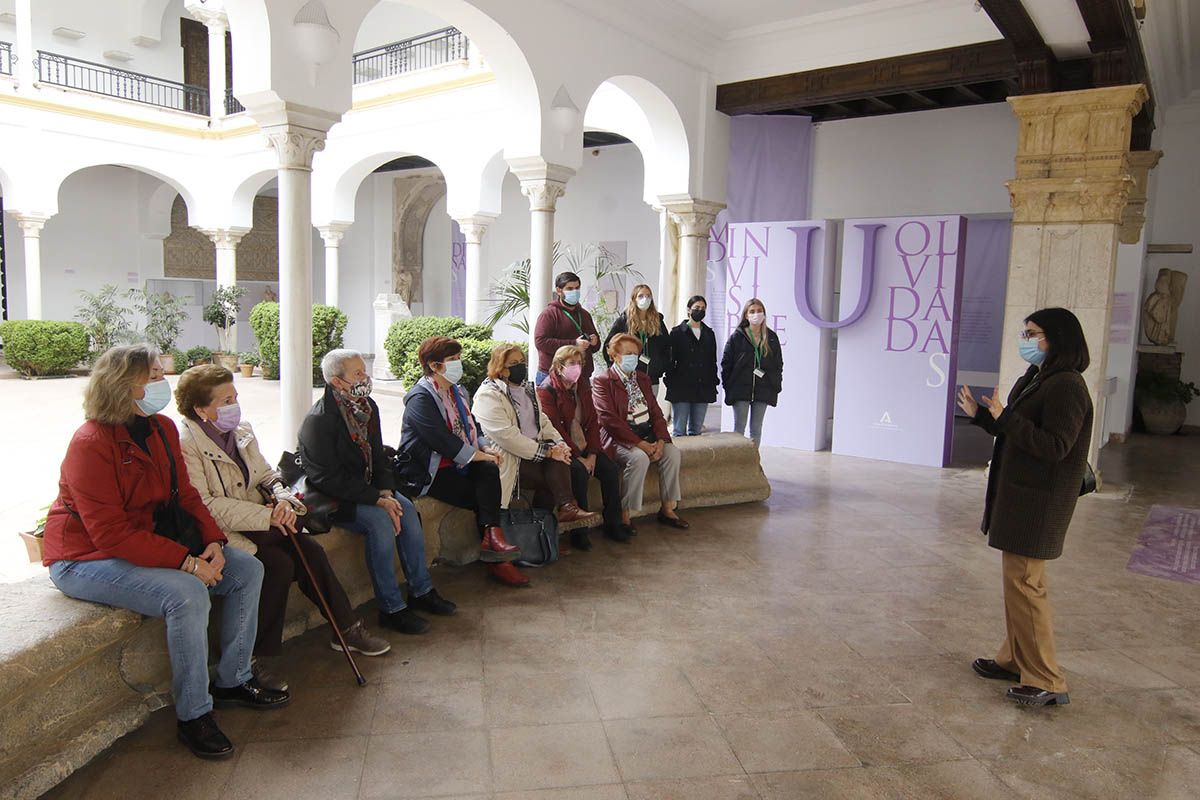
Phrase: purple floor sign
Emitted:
{"points": [[895, 386], [1169, 545]]}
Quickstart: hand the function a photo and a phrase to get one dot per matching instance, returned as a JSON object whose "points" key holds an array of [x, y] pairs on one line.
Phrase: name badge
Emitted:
{"points": [[644, 359], [758, 373]]}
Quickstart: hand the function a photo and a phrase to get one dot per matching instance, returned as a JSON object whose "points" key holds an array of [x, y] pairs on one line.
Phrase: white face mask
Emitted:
{"points": [[756, 317], [644, 302]]}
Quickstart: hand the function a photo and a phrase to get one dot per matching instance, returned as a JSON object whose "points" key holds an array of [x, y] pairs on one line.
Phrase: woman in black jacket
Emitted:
{"points": [[1036, 476], [692, 371], [752, 370], [641, 320]]}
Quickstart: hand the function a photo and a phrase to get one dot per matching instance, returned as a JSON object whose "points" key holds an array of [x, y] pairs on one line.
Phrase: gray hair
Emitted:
{"points": [[334, 363]]}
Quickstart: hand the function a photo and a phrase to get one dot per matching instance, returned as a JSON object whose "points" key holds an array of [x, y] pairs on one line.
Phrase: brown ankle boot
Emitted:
{"points": [[569, 512], [508, 575], [495, 548]]}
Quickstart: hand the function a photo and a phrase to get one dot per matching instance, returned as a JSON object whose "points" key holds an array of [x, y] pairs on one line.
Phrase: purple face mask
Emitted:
{"points": [[228, 418]]}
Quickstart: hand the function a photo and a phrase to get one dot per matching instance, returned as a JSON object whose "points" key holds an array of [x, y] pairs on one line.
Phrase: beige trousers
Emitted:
{"points": [[1029, 647]]}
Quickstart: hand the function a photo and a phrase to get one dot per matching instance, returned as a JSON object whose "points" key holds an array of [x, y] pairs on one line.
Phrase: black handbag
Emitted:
{"points": [[535, 532], [171, 521], [1089, 480], [321, 507]]}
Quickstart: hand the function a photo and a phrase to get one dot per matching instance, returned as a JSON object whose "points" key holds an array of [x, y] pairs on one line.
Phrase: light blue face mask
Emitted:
{"points": [[454, 370], [571, 297], [629, 363], [158, 394], [1031, 352]]}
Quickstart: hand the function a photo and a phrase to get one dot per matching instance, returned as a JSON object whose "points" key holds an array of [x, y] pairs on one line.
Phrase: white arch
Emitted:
{"points": [[148, 17], [637, 109], [157, 213], [54, 180]]}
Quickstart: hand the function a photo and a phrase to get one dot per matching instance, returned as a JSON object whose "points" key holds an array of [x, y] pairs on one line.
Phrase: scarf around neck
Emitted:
{"points": [[356, 411]]}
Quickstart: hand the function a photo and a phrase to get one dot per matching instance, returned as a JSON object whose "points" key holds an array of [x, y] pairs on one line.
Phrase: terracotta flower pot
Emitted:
{"points": [[33, 546], [1163, 418], [247, 370], [227, 360], [168, 363]]}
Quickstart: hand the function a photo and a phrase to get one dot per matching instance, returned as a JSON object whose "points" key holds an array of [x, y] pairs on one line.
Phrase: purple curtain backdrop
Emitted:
{"points": [[458, 272], [769, 176], [985, 284]]}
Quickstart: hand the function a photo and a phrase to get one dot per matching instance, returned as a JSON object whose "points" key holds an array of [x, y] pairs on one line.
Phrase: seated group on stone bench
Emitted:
{"points": [[154, 520]]}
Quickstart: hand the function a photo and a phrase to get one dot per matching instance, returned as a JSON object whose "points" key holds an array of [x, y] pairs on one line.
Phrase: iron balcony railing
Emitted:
{"points": [[6, 59], [409, 55], [232, 106], [87, 76]]}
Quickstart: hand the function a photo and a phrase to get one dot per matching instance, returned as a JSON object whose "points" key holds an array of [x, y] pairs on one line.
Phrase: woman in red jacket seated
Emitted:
{"points": [[112, 538], [566, 399], [633, 425]]}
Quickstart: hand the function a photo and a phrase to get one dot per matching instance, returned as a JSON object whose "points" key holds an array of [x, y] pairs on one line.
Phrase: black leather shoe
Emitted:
{"points": [[405, 621], [251, 694], [1033, 696], [432, 603], [580, 540], [673, 522], [987, 668], [618, 533], [202, 736]]}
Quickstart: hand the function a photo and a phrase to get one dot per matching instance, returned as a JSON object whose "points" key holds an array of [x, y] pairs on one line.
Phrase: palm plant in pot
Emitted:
{"points": [[1162, 400], [165, 316], [222, 313]]}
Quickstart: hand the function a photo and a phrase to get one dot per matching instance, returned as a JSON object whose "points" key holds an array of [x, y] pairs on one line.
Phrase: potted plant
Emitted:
{"points": [[1162, 401], [35, 538], [105, 318], [247, 362], [198, 355], [165, 316], [222, 312]]}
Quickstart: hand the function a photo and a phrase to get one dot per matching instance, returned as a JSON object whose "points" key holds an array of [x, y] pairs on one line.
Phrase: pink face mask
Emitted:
{"points": [[572, 372]]}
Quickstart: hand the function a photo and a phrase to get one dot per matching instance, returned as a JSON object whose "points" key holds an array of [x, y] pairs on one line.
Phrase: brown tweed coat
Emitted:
{"points": [[1038, 463]]}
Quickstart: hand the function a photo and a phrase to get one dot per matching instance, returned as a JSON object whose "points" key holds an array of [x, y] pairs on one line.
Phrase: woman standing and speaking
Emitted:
{"points": [[1037, 471]]}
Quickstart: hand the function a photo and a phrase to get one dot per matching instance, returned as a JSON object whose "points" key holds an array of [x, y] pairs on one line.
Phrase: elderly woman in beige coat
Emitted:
{"points": [[249, 502], [507, 409]]}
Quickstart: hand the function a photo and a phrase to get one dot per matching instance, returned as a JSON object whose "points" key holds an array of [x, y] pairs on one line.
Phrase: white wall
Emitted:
{"points": [[949, 161], [1174, 221], [391, 21]]}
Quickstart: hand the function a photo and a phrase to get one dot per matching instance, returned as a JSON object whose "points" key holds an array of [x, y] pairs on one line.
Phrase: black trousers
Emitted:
{"points": [[478, 490], [281, 566], [550, 481], [609, 475]]}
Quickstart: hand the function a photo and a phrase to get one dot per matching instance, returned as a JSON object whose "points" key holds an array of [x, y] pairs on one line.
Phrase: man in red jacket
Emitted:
{"points": [[565, 322], [129, 530]]}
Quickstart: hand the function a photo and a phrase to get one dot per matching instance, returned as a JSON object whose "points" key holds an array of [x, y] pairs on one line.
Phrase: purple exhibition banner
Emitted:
{"points": [[787, 265], [458, 271], [901, 293]]}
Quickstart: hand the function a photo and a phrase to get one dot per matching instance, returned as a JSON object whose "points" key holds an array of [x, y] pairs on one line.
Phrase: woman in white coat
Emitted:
{"points": [[249, 502], [507, 409]]}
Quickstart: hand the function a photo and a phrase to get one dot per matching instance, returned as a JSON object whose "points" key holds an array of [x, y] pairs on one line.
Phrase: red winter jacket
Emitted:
{"points": [[558, 403], [108, 491], [612, 407], [556, 327]]}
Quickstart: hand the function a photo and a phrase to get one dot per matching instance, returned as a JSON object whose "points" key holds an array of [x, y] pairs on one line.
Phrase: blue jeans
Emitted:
{"points": [[755, 411], [183, 602], [689, 418], [374, 523]]}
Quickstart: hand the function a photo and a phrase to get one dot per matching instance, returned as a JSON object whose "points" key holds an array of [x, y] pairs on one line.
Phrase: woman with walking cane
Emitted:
{"points": [[235, 481]]}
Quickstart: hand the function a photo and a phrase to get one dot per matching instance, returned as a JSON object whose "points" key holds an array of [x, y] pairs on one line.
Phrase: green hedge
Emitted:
{"points": [[329, 327], [405, 337], [42, 347]]}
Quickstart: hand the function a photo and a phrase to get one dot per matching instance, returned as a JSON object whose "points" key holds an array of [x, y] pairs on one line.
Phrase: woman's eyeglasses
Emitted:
{"points": [[1027, 335]]}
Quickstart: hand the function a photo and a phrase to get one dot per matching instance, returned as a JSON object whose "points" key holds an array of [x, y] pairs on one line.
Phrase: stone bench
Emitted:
{"points": [[75, 676]]}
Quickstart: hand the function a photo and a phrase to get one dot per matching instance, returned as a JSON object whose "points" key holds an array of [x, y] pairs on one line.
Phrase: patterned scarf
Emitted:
{"points": [[356, 411], [458, 416]]}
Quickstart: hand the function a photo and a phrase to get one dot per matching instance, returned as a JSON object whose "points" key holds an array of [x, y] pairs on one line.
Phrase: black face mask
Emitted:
{"points": [[517, 373], [697, 314]]}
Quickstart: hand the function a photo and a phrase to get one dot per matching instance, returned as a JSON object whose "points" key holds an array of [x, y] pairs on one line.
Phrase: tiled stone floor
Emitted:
{"points": [[816, 646]]}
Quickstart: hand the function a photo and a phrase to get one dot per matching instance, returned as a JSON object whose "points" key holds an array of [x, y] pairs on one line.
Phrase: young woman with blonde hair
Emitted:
{"points": [[752, 370], [642, 320]]}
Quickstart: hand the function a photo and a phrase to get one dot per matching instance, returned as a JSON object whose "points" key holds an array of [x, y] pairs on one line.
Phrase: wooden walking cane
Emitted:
{"points": [[337, 630]]}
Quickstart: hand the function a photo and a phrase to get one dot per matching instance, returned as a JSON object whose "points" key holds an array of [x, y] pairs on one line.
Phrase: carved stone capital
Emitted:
{"points": [[333, 232], [694, 217], [214, 19], [542, 182], [1134, 217], [1074, 200], [543, 194], [295, 146], [225, 238], [473, 228], [32, 224]]}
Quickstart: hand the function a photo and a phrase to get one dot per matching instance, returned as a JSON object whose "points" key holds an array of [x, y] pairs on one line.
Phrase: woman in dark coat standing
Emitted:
{"points": [[643, 321], [752, 370], [692, 370], [1037, 471]]}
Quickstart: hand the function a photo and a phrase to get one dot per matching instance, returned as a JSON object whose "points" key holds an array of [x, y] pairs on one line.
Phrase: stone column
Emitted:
{"points": [[226, 241], [668, 267], [332, 235], [473, 229], [694, 218], [23, 68], [543, 184], [217, 24], [295, 146], [1069, 196], [31, 229]]}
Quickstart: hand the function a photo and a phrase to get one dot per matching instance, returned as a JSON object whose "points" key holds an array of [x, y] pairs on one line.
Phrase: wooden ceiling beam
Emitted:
{"points": [[1036, 65], [936, 69]]}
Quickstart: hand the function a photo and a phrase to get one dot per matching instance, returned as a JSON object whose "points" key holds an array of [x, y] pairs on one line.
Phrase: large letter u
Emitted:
{"points": [[804, 268]]}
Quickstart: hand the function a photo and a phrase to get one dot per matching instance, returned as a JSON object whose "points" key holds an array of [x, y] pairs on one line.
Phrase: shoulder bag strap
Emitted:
{"points": [[170, 460]]}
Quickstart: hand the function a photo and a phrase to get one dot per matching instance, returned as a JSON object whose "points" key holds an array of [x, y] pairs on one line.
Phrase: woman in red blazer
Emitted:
{"points": [[566, 399], [632, 424], [111, 538]]}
